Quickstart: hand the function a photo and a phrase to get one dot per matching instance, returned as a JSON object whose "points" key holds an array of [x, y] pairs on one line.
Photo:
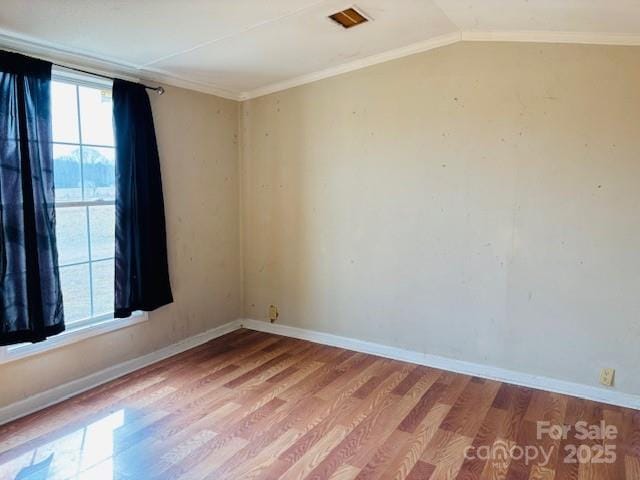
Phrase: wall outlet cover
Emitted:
{"points": [[273, 313], [606, 376]]}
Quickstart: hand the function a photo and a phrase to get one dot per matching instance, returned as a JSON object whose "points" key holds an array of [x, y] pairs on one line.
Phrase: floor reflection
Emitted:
{"points": [[36, 471], [85, 453]]}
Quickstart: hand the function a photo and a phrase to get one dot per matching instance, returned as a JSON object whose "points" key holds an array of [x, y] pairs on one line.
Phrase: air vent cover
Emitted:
{"points": [[348, 18]]}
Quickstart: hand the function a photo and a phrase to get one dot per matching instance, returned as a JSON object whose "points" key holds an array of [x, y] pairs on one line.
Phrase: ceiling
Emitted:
{"points": [[245, 48]]}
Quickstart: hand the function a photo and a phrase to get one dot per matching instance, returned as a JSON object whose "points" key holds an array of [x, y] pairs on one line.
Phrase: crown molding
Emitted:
{"points": [[102, 65], [448, 39], [418, 47], [74, 59], [177, 81], [586, 38], [112, 67]]}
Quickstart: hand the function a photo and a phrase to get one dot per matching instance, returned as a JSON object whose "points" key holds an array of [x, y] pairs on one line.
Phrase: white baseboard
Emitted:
{"points": [[468, 368], [62, 392]]}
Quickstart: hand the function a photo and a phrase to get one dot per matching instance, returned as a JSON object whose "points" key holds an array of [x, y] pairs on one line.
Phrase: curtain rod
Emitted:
{"points": [[158, 90]]}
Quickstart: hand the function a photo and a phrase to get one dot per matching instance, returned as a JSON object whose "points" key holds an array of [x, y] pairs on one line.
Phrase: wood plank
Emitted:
{"points": [[467, 413], [404, 463], [421, 471], [446, 453]]}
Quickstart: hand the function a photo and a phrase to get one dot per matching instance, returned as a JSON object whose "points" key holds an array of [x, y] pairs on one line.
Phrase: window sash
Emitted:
{"points": [[85, 203], [91, 260], [85, 262], [90, 145]]}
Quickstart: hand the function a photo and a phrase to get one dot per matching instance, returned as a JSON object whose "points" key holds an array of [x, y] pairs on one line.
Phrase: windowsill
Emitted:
{"points": [[68, 337]]}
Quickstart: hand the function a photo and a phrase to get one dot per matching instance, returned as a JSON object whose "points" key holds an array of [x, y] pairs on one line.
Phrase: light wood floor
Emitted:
{"points": [[254, 405]]}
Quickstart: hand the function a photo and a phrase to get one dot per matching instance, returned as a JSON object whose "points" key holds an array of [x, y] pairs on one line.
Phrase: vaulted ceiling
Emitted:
{"points": [[244, 48]]}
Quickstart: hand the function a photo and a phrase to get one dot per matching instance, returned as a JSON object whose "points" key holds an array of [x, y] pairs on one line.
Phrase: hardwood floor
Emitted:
{"points": [[255, 405]]}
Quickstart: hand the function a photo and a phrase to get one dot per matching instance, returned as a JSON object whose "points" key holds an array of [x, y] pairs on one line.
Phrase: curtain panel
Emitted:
{"points": [[31, 297], [142, 273]]}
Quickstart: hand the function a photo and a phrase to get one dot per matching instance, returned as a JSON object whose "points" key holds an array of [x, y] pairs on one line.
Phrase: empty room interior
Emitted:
{"points": [[317, 239]]}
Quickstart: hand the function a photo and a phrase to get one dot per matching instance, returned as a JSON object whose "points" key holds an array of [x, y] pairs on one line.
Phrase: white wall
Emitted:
{"points": [[480, 201]]}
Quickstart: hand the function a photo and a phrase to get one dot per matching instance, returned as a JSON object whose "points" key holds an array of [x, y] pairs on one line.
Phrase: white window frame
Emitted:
{"points": [[92, 326]]}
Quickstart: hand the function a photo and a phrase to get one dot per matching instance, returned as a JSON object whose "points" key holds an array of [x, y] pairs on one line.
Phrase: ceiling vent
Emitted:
{"points": [[349, 18]]}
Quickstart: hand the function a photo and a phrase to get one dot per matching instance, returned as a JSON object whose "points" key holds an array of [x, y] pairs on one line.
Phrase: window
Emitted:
{"points": [[84, 173]]}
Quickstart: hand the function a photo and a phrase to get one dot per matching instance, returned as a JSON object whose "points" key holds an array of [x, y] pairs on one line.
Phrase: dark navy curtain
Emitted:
{"points": [[142, 273], [31, 307]]}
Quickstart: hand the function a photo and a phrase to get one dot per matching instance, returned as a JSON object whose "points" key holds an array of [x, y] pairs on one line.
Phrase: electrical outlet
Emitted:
{"points": [[273, 313], [606, 376]]}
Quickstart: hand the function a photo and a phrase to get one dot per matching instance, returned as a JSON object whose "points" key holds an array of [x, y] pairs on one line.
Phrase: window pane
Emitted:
{"points": [[96, 116], [71, 235], [75, 292], [102, 222], [103, 273], [64, 112], [66, 173], [99, 171]]}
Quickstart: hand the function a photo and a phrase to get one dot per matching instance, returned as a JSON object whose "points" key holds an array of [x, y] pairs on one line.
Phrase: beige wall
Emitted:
{"points": [[478, 201], [197, 138]]}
